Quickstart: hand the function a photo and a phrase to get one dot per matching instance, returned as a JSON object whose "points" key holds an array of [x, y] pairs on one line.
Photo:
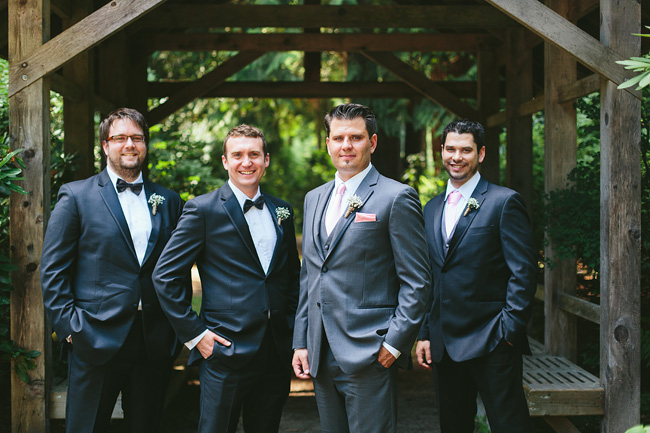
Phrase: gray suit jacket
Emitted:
{"points": [[370, 282]]}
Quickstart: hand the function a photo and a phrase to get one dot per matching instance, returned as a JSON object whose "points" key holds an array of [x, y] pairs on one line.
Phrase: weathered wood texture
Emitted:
{"points": [[175, 16], [113, 72], [84, 35], [558, 31], [519, 129], [78, 113], [560, 149], [29, 122], [422, 84], [620, 219], [489, 102], [319, 42], [200, 87]]}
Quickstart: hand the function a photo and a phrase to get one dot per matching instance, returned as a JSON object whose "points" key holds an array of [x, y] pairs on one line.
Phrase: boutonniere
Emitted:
{"points": [[282, 213], [155, 200], [471, 205], [354, 204]]}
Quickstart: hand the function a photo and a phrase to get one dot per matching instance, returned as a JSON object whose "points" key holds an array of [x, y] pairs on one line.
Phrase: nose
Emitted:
{"points": [[347, 143]]}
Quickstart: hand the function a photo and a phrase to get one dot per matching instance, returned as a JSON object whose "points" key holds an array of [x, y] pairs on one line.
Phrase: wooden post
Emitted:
{"points": [[78, 115], [620, 226], [112, 72], [519, 89], [560, 143], [29, 125], [489, 104]]}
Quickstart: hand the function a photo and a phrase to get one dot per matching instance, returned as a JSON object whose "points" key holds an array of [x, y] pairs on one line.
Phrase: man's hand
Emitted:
{"points": [[206, 345], [385, 358], [300, 364], [423, 353]]}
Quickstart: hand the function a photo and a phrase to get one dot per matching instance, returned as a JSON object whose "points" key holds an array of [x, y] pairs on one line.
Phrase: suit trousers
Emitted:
{"points": [[93, 390], [365, 402], [257, 391], [497, 378]]}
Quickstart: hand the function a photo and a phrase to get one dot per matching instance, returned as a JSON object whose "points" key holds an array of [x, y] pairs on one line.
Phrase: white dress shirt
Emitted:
{"points": [[466, 190]]}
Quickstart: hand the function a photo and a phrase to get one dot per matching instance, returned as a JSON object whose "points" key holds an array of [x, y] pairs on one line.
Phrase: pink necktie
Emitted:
{"points": [[334, 211], [450, 212]]}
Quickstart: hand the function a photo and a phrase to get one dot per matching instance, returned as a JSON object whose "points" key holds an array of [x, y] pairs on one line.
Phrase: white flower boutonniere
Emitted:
{"points": [[354, 204], [471, 205], [155, 200], [282, 213]]}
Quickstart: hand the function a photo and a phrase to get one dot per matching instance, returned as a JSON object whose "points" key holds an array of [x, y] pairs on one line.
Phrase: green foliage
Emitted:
{"points": [[639, 429], [637, 64]]}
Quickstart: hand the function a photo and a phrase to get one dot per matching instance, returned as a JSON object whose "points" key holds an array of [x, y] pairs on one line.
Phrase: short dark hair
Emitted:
{"points": [[124, 114], [351, 112], [466, 126], [244, 130]]}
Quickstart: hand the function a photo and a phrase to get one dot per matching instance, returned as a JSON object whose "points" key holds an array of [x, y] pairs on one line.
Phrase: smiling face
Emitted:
{"points": [[125, 159], [245, 161], [461, 158], [349, 146]]}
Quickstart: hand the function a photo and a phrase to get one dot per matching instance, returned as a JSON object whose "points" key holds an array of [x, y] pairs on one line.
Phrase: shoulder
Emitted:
{"points": [[319, 190], [501, 193], [209, 199]]}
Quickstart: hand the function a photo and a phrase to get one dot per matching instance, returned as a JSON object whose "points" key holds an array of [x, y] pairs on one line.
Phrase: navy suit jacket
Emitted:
{"points": [[237, 294], [483, 288], [90, 275]]}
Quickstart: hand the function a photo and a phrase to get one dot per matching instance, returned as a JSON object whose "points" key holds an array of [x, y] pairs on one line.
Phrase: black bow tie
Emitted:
{"points": [[259, 203], [123, 185]]}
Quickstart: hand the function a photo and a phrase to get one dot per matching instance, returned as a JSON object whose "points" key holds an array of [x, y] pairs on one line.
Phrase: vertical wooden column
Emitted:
{"points": [[112, 73], [78, 114], [488, 104], [560, 143], [29, 126], [137, 59], [620, 226], [312, 60], [519, 89]]}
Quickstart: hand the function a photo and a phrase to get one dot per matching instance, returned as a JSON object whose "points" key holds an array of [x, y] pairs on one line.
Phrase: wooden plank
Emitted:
{"points": [[200, 87], [561, 424], [87, 33], [325, 89], [572, 91], [113, 73], [29, 124], [65, 87], [560, 150], [422, 84], [579, 307], [620, 223], [557, 30], [489, 102], [79, 114], [319, 42], [180, 16], [519, 129]]}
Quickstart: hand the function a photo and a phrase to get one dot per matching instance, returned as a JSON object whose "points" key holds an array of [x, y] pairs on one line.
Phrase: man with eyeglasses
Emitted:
{"points": [[103, 240]]}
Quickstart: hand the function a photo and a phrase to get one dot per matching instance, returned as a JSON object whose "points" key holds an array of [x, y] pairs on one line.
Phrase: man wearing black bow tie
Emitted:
{"points": [[244, 245], [102, 242]]}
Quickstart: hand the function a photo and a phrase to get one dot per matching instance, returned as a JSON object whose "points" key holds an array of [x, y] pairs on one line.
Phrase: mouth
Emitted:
{"points": [[247, 173]]}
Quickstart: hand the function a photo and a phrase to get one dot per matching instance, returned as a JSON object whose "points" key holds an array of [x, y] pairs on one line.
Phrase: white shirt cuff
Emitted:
{"points": [[194, 341], [396, 353]]}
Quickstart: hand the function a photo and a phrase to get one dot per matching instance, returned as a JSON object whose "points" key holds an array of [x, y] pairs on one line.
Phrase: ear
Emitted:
{"points": [[373, 143], [224, 160], [327, 145], [105, 147], [267, 160], [481, 154]]}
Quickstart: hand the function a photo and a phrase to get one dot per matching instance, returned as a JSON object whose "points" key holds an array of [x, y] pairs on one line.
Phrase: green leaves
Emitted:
{"points": [[637, 64], [638, 429]]}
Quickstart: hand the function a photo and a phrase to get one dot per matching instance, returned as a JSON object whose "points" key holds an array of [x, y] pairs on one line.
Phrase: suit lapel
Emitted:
{"points": [[365, 190], [107, 191], [156, 221], [278, 231], [465, 221], [437, 242], [236, 215], [319, 214]]}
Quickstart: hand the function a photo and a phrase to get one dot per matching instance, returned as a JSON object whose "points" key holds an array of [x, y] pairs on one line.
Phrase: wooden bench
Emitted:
{"points": [[556, 388]]}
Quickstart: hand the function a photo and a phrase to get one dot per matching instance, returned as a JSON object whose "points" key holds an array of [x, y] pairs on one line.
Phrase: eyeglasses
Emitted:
{"points": [[121, 139]]}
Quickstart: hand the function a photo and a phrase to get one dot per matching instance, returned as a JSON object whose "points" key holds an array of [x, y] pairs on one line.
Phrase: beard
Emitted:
{"points": [[126, 170]]}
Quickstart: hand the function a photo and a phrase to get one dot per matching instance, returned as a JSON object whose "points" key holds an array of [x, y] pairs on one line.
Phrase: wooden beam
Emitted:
{"points": [[181, 16], [422, 84], [297, 89], [29, 125], [557, 30], [560, 150], [200, 87], [319, 42], [579, 307], [620, 227], [84, 35], [572, 91]]}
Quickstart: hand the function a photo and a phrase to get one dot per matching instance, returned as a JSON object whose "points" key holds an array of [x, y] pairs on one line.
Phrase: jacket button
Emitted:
{"points": [[325, 269], [318, 304]]}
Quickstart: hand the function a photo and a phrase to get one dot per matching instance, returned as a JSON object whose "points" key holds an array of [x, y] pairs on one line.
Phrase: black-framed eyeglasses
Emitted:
{"points": [[121, 139]]}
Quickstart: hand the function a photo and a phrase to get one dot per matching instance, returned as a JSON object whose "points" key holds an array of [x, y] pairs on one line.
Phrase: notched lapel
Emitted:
{"points": [[437, 226], [236, 215], [107, 191], [156, 221]]}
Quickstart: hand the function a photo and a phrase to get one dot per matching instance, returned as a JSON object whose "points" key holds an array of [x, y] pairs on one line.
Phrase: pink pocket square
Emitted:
{"points": [[364, 217]]}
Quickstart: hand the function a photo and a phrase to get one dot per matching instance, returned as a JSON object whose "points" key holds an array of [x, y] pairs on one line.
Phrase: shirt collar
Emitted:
{"points": [[241, 197], [114, 177], [353, 183], [467, 189]]}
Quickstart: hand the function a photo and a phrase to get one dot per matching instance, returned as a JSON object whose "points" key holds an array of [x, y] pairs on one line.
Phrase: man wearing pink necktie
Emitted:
{"points": [[484, 279]]}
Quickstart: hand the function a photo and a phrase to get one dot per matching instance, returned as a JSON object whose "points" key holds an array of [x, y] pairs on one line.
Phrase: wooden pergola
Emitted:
{"points": [[95, 54]]}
